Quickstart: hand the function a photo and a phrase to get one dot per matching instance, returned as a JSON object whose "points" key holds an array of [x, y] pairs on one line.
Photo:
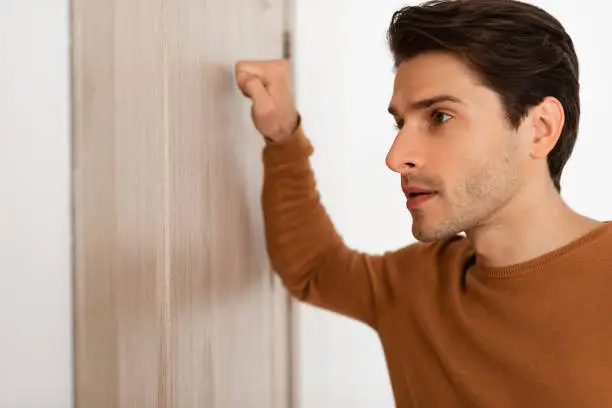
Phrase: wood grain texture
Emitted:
{"points": [[175, 301]]}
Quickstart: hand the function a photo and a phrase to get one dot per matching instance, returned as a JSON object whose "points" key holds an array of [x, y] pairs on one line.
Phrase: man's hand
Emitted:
{"points": [[268, 85]]}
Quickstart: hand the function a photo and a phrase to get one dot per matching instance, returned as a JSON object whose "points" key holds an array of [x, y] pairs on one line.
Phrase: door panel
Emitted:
{"points": [[175, 301]]}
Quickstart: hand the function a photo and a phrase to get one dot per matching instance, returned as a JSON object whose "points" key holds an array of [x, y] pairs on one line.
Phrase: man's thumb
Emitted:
{"points": [[255, 89], [250, 85]]}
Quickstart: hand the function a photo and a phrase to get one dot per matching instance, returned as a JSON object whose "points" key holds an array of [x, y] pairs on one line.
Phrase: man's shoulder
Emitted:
{"points": [[434, 253], [595, 244], [421, 267]]}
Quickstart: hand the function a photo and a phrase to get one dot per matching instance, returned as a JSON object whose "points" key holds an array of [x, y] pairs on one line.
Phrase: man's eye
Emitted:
{"points": [[399, 123], [440, 117]]}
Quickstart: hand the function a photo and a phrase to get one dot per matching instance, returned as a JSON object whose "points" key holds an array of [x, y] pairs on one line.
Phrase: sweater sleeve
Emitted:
{"points": [[304, 248]]}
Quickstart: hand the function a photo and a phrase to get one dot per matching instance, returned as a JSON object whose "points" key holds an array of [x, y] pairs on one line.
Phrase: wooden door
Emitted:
{"points": [[175, 301]]}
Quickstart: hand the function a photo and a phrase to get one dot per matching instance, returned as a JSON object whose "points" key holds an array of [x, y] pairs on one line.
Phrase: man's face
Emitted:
{"points": [[453, 140]]}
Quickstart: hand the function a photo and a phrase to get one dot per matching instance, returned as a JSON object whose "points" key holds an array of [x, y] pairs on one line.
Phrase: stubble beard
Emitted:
{"points": [[472, 203]]}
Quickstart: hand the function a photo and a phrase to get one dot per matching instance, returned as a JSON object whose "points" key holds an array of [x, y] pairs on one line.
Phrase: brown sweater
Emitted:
{"points": [[455, 333]]}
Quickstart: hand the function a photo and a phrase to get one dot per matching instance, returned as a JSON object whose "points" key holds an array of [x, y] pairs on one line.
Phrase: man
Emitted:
{"points": [[517, 312]]}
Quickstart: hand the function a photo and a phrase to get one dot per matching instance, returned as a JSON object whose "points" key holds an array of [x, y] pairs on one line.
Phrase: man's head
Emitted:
{"points": [[486, 98]]}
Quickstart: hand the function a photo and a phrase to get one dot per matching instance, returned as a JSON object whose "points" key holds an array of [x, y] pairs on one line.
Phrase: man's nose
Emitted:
{"points": [[405, 154]]}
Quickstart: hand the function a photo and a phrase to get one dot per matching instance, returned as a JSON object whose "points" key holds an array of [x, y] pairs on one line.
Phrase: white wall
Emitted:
{"points": [[35, 270], [344, 82]]}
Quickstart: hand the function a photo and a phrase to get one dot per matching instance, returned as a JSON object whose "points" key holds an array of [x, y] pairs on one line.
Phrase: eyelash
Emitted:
{"points": [[438, 112], [399, 123]]}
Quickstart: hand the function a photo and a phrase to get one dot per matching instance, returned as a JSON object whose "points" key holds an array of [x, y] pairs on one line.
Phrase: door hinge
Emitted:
{"points": [[286, 44]]}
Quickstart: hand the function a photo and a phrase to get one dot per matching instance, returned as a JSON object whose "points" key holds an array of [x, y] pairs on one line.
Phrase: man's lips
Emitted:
{"points": [[416, 191], [416, 196]]}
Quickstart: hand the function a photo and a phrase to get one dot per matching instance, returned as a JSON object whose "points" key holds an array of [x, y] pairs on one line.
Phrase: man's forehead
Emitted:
{"points": [[432, 74]]}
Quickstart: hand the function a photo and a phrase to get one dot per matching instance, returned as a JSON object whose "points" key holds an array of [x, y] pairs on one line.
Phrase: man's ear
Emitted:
{"points": [[547, 119]]}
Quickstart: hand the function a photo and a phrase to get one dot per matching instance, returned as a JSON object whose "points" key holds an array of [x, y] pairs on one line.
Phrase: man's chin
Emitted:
{"points": [[421, 233], [429, 233], [421, 236]]}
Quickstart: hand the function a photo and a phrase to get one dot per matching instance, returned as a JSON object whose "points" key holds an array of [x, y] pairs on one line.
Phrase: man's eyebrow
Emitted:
{"points": [[426, 103]]}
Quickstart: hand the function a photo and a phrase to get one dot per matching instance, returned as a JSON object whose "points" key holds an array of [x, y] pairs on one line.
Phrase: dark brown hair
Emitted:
{"points": [[516, 49]]}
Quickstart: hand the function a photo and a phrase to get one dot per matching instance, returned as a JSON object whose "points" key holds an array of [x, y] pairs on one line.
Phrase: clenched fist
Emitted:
{"points": [[268, 85]]}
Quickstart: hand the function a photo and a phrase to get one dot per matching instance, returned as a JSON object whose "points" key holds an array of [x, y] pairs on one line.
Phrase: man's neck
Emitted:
{"points": [[533, 224]]}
